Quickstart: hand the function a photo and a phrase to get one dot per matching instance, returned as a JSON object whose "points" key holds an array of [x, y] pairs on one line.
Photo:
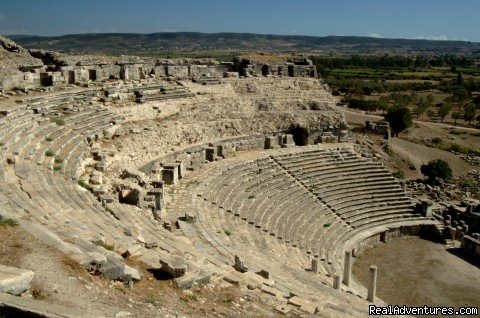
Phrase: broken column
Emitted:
{"points": [[315, 265], [372, 287], [427, 208], [240, 265], [336, 282], [157, 194], [347, 268], [181, 169]]}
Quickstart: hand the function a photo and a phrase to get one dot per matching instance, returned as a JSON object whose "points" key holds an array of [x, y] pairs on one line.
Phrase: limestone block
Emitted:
{"points": [[231, 74], [14, 280], [131, 274], [240, 265], [175, 266], [170, 173], [271, 142], [89, 261]]}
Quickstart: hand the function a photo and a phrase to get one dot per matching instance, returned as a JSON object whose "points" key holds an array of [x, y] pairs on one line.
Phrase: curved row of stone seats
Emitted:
{"points": [[53, 198], [361, 193], [255, 191], [261, 195], [229, 235]]}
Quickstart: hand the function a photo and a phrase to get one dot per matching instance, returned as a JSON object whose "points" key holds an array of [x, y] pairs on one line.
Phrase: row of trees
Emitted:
{"points": [[393, 61], [356, 86]]}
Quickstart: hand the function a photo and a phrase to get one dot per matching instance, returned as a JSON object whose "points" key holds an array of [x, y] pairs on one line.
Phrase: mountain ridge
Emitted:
{"points": [[197, 41]]}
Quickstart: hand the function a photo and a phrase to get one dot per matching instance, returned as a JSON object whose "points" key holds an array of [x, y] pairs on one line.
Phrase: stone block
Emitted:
{"points": [[175, 266], [14, 280], [131, 274], [170, 173], [240, 265]]}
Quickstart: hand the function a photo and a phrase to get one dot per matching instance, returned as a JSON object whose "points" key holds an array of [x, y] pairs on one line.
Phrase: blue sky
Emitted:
{"points": [[430, 19]]}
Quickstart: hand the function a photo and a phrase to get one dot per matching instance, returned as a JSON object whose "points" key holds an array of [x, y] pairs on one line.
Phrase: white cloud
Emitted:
{"points": [[441, 37], [374, 35], [113, 30], [3, 17]]}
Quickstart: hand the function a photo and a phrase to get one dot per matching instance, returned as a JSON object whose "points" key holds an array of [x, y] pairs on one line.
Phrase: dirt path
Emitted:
{"points": [[359, 117], [415, 272], [419, 154]]}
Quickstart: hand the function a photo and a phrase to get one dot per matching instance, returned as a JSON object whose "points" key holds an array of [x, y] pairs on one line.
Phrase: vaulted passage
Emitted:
{"points": [[300, 136]]}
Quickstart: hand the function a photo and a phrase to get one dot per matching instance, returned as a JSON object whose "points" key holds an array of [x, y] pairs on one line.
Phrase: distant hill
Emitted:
{"points": [[191, 41]]}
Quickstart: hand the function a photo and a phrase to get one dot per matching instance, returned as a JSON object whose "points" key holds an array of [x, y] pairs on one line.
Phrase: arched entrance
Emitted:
{"points": [[300, 135]]}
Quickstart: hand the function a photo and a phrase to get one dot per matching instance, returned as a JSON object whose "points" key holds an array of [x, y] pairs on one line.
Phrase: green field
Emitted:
{"points": [[442, 88]]}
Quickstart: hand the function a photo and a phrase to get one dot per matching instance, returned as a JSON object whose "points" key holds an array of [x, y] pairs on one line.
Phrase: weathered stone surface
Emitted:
{"points": [[132, 274], [14, 280], [175, 266]]}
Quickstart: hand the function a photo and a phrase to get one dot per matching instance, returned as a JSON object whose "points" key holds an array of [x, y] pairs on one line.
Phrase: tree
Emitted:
{"points": [[384, 103], [422, 106], [470, 110], [399, 118], [459, 79], [444, 110], [478, 119], [430, 113], [437, 169], [456, 115]]}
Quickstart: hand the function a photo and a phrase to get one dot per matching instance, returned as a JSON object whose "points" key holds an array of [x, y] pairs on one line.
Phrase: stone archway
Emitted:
{"points": [[300, 135]]}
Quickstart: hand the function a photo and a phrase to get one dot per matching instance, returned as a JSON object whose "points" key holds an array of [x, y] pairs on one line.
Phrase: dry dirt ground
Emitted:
{"points": [[58, 280], [416, 272], [418, 154]]}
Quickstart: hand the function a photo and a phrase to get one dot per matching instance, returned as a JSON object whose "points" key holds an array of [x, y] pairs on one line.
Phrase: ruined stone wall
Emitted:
{"points": [[195, 156], [84, 74], [387, 235]]}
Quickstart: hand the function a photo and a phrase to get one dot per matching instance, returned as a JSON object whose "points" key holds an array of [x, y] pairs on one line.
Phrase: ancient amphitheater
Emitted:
{"points": [[240, 173]]}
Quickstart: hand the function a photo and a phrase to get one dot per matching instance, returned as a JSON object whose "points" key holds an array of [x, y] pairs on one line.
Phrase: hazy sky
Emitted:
{"points": [[430, 19]]}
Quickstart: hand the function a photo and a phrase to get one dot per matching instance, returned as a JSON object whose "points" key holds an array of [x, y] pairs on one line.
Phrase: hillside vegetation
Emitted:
{"points": [[114, 43]]}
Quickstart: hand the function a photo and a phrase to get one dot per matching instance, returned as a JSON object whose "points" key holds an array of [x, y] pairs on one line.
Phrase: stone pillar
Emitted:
{"points": [[315, 265], [347, 268], [181, 169], [372, 288], [336, 282], [427, 208], [271, 142]]}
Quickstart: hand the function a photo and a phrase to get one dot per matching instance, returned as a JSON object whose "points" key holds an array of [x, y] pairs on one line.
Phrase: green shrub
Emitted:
{"points": [[58, 160], [437, 169], [326, 225], [399, 174], [49, 153], [48, 139], [57, 168], [228, 233], [187, 298], [58, 121], [437, 140], [251, 196], [456, 147], [83, 184], [8, 222], [106, 246]]}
